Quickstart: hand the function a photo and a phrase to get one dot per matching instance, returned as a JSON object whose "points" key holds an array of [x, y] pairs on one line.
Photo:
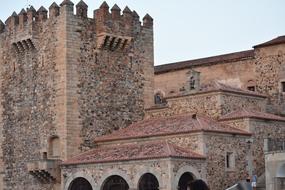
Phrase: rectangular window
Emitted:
{"points": [[283, 86], [230, 160]]}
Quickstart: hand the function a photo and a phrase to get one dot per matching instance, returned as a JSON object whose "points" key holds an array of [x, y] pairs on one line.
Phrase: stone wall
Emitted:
{"points": [[58, 81], [270, 72], [205, 104], [113, 87], [237, 73], [212, 104], [217, 145], [1, 120], [28, 100], [230, 103], [261, 129]]}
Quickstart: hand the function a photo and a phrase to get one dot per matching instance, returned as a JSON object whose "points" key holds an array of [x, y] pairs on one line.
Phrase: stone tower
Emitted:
{"points": [[65, 79]]}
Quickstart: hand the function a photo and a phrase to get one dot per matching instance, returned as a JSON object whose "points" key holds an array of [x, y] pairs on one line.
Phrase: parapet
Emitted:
{"points": [[116, 29], [115, 22]]}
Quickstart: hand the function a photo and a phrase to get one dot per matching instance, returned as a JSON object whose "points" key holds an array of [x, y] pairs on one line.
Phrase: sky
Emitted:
{"points": [[191, 29]]}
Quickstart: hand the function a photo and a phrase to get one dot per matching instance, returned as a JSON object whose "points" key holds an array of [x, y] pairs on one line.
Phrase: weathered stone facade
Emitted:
{"points": [[212, 103], [70, 78], [77, 102]]}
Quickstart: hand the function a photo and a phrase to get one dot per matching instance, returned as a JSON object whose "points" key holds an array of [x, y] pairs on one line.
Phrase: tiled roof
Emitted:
{"points": [[275, 41], [204, 61], [251, 114], [127, 152], [163, 126]]}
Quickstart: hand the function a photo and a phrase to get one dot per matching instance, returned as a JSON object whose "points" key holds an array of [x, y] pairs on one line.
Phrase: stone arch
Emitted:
{"points": [[115, 182], [108, 174], [280, 172], [148, 181], [159, 97], [84, 175], [185, 180], [159, 91], [183, 170], [141, 172], [80, 183]]}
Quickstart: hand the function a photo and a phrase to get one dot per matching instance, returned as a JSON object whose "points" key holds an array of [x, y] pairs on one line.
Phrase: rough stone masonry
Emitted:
{"points": [[69, 77]]}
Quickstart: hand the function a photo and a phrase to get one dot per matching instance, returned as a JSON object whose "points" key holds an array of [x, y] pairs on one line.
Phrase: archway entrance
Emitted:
{"points": [[115, 183], [80, 184], [185, 180], [148, 182]]}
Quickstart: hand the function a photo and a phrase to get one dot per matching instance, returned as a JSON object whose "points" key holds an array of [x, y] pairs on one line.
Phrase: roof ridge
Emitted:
{"points": [[178, 65]]}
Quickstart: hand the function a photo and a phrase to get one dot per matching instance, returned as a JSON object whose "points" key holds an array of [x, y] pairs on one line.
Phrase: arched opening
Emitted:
{"points": [[185, 180], [115, 182], [148, 182], [158, 98], [80, 184]]}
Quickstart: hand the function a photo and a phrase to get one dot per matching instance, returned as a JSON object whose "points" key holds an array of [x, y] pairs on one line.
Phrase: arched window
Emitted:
{"points": [[115, 182], [80, 184], [148, 182], [158, 98], [185, 180], [54, 147]]}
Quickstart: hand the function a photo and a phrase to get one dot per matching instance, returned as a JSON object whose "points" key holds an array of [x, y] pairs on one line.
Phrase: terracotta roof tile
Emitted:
{"points": [[251, 114], [275, 41], [178, 124], [204, 61], [127, 152]]}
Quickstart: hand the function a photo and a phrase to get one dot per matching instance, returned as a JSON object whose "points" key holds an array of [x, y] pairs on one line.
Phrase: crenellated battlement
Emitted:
{"points": [[113, 21]]}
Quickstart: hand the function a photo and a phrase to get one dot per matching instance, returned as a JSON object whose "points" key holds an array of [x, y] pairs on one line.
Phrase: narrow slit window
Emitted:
{"points": [[230, 160], [283, 86]]}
